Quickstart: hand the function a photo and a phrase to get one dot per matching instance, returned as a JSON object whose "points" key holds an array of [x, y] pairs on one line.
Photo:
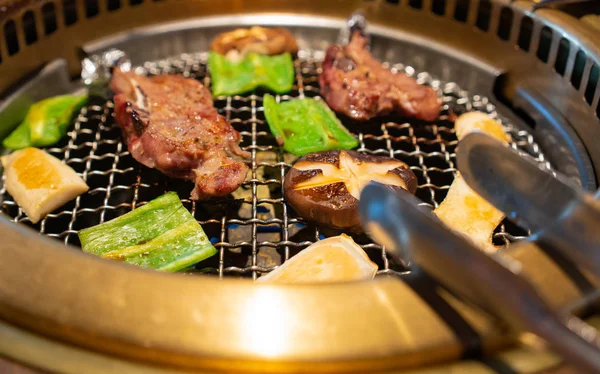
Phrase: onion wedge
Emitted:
{"points": [[336, 259], [39, 182], [463, 210]]}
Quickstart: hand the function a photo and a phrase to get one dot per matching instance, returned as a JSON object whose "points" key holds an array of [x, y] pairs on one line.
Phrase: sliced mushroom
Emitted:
{"points": [[267, 41], [324, 187]]}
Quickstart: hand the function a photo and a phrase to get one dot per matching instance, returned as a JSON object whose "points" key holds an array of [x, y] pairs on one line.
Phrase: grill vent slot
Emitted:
{"points": [[29, 28], [592, 83], [545, 42], [10, 35], [417, 4], [461, 11], [525, 33], [49, 18], [135, 2], [394, 2], [70, 12], [438, 7], [578, 69], [562, 56], [506, 22], [483, 15], [113, 5], [91, 8]]}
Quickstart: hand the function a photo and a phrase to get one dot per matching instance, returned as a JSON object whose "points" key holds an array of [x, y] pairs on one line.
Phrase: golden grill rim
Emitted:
{"points": [[66, 41], [134, 313], [205, 324]]}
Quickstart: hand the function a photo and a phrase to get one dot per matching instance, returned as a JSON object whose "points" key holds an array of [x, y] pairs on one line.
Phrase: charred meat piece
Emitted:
{"points": [[266, 41], [170, 124], [354, 83]]}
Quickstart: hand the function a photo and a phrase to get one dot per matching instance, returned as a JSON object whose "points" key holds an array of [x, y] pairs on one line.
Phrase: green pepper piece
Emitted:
{"points": [[160, 235], [46, 122], [47, 129], [136, 227], [20, 137], [306, 125], [174, 250], [275, 73]]}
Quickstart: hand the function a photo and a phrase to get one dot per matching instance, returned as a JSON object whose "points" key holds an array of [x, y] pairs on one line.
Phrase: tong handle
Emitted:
{"points": [[539, 4], [394, 219], [550, 205]]}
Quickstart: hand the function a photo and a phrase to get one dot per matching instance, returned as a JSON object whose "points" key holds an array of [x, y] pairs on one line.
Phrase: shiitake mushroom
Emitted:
{"points": [[266, 41], [324, 187]]}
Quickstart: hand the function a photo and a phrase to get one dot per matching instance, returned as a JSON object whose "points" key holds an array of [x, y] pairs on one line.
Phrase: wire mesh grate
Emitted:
{"points": [[253, 229]]}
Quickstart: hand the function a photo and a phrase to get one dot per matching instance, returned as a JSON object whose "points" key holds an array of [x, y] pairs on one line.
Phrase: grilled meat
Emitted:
{"points": [[170, 124], [266, 41], [354, 83]]}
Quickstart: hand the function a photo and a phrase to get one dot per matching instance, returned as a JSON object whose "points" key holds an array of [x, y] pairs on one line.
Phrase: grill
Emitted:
{"points": [[255, 230], [535, 71]]}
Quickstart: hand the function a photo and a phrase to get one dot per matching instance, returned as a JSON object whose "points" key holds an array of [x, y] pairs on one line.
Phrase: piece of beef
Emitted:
{"points": [[169, 123], [354, 83]]}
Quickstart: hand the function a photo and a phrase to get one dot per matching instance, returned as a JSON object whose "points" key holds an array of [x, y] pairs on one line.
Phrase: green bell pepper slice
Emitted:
{"points": [[47, 121], [275, 73], [303, 126], [161, 235], [174, 250]]}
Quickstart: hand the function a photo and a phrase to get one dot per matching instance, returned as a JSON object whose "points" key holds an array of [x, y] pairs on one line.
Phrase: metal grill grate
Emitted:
{"points": [[254, 230]]}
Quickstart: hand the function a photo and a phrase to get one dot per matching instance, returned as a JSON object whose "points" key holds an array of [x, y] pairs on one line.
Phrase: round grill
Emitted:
{"points": [[539, 67], [255, 230]]}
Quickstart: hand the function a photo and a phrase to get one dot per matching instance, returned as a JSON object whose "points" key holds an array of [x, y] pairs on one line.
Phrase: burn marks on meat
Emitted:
{"points": [[344, 64], [138, 124], [137, 107], [136, 119], [354, 83], [141, 101], [170, 124]]}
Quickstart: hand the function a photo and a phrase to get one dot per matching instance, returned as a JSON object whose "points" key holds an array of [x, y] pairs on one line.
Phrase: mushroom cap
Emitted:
{"points": [[331, 200]]}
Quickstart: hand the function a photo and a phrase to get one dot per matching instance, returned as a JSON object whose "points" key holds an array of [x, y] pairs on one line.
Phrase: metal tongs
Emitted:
{"points": [[562, 215], [539, 4]]}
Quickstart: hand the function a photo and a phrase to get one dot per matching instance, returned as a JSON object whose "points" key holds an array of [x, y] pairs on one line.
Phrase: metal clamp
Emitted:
{"points": [[560, 212], [524, 191]]}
